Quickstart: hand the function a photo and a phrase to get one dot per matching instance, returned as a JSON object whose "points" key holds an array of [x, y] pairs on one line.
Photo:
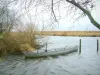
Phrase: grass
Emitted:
{"points": [[1, 36], [70, 33], [12, 42]]}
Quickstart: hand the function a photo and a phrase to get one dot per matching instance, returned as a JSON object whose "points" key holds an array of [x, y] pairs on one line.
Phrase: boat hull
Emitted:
{"points": [[59, 51]]}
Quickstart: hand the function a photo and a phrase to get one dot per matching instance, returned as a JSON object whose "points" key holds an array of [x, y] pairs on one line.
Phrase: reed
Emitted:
{"points": [[13, 42]]}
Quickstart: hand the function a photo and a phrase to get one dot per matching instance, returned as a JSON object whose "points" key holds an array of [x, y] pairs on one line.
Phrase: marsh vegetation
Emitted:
{"points": [[13, 42]]}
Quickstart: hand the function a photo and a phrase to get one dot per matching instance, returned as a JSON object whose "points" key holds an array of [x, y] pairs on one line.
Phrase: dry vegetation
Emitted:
{"points": [[13, 42], [71, 33], [26, 40]]}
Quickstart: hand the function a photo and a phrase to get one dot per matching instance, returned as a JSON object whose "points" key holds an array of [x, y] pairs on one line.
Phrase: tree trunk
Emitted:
{"points": [[86, 12]]}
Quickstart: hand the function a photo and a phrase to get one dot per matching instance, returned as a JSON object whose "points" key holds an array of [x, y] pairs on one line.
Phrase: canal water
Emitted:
{"points": [[86, 63]]}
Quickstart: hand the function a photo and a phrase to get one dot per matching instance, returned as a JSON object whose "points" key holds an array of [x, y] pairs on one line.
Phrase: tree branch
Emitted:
{"points": [[53, 12], [86, 12]]}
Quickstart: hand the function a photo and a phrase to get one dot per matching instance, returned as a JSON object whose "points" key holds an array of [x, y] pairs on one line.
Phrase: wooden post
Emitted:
{"points": [[46, 47], [97, 45], [80, 46]]}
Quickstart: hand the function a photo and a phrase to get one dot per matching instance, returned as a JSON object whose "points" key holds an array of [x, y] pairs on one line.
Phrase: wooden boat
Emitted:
{"points": [[52, 52]]}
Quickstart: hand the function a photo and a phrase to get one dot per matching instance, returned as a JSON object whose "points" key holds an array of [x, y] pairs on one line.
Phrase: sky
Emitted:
{"points": [[98, 10], [41, 19], [83, 24]]}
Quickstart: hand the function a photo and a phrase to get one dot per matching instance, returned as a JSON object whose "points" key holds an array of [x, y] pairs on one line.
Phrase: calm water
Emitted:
{"points": [[87, 63]]}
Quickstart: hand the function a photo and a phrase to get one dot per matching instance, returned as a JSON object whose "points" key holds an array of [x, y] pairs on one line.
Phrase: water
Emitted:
{"points": [[87, 63]]}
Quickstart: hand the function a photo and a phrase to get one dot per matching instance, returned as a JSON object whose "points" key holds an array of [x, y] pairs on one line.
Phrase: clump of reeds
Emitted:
{"points": [[17, 41]]}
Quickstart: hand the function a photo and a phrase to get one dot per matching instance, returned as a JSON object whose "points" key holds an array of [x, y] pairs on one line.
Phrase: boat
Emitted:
{"points": [[53, 52]]}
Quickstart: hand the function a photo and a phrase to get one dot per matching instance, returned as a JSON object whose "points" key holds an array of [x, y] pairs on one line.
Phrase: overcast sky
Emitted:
{"points": [[83, 23], [41, 18]]}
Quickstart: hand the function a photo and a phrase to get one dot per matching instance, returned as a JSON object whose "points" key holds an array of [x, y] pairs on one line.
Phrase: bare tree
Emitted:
{"points": [[84, 7], [7, 17], [79, 8]]}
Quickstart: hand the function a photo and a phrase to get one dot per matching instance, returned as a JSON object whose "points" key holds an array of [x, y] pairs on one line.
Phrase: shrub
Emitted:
{"points": [[17, 41]]}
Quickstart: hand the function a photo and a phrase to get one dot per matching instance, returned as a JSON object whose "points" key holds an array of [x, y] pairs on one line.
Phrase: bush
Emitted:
{"points": [[17, 41]]}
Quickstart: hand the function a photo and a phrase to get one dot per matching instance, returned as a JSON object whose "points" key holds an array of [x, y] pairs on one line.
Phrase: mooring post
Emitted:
{"points": [[80, 46], [46, 47], [97, 45]]}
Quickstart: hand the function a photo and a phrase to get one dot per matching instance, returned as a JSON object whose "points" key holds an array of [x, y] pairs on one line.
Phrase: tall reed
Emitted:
{"points": [[20, 40]]}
